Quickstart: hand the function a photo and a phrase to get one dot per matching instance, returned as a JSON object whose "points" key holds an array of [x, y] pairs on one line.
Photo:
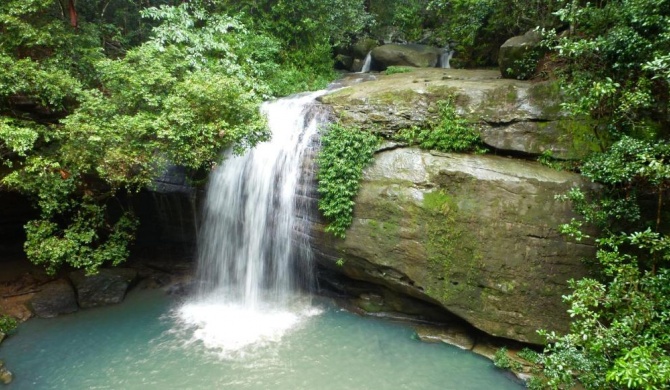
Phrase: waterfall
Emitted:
{"points": [[367, 63], [251, 254], [445, 57]]}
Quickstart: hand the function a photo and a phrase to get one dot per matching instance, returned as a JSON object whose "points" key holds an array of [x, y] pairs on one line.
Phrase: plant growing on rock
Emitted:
{"points": [[8, 324], [345, 151], [449, 133]]}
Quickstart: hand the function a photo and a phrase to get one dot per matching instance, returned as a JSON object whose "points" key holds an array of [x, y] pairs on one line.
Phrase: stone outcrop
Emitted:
{"points": [[53, 299], [107, 287], [518, 56], [474, 234], [420, 56], [512, 116]]}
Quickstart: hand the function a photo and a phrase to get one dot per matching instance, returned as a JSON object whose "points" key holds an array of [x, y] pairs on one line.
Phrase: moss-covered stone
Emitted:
{"points": [[475, 234]]}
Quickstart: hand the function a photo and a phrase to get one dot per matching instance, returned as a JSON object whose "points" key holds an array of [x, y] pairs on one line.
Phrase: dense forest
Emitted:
{"points": [[98, 97]]}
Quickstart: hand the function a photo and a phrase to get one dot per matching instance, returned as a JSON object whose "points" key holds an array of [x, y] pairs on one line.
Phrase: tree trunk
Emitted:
{"points": [[73, 14]]}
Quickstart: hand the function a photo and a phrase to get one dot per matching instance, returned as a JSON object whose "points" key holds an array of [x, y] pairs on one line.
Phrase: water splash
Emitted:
{"points": [[252, 256]]}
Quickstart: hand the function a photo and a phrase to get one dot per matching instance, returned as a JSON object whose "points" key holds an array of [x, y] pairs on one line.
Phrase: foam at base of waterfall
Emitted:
{"points": [[234, 330]]}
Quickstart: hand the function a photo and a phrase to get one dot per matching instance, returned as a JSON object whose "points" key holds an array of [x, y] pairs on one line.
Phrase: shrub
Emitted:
{"points": [[450, 133], [8, 324]]}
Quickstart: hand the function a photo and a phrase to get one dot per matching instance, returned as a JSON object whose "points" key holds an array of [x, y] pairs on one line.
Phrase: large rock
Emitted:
{"points": [[475, 234], [55, 298], [107, 287], [518, 56], [420, 56], [512, 116]]}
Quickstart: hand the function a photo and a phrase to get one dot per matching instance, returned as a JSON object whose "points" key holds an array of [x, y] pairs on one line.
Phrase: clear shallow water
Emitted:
{"points": [[145, 344]]}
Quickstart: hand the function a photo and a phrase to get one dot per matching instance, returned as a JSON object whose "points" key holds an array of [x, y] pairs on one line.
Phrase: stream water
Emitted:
{"points": [[249, 325]]}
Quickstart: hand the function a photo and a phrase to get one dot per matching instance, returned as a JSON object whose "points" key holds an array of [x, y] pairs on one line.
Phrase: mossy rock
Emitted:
{"points": [[420, 56], [475, 234], [519, 55]]}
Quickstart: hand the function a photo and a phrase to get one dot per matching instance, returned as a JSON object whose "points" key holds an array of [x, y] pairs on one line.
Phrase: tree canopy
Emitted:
{"points": [[98, 97]]}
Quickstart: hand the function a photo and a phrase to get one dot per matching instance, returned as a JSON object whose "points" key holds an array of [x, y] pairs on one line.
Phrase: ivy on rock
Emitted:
{"points": [[345, 151]]}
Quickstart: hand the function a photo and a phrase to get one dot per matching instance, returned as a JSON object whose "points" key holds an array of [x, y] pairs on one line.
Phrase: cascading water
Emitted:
{"points": [[250, 258], [367, 63], [445, 57]]}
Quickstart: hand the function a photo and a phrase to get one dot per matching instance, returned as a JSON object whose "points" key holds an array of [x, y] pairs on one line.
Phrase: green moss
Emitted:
{"points": [[401, 97], [546, 96], [438, 201], [451, 249], [398, 69]]}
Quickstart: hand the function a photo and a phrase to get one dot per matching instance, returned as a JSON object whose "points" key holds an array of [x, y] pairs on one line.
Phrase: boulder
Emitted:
{"points": [[512, 116], [362, 47], [6, 376], [420, 56], [518, 56], [107, 287], [53, 299], [475, 234], [344, 62]]}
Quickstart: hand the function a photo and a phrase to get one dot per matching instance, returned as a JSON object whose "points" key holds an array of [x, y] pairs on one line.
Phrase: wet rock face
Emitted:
{"points": [[475, 234], [55, 298], [107, 287]]}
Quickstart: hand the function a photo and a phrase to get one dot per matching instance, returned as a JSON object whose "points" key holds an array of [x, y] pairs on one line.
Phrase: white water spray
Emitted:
{"points": [[251, 256], [445, 57], [367, 63]]}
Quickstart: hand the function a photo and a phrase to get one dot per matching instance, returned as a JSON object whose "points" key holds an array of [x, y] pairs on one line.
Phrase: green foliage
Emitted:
{"points": [[398, 69], [529, 355], [615, 64], [620, 331], [450, 133], [344, 153], [77, 128], [8, 324], [87, 242], [502, 360]]}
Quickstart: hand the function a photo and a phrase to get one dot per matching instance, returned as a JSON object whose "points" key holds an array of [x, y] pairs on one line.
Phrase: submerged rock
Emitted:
{"points": [[108, 286], [458, 336], [55, 298], [6, 376], [475, 234]]}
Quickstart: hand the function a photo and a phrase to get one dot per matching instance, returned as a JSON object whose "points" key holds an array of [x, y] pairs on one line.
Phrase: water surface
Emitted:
{"points": [[145, 344]]}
